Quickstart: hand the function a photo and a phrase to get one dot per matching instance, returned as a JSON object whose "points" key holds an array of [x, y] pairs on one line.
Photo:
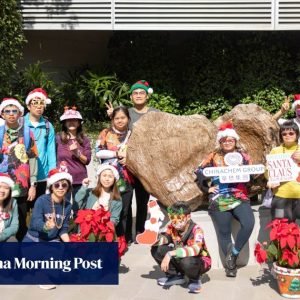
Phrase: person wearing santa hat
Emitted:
{"points": [[73, 147], [228, 200], [9, 219], [44, 135], [51, 212], [18, 157], [139, 95]]}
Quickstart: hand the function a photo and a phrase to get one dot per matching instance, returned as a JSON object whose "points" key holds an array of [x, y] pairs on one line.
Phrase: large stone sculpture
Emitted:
{"points": [[164, 150]]}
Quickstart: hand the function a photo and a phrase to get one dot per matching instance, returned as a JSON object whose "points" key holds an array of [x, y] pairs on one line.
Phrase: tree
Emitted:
{"points": [[12, 40]]}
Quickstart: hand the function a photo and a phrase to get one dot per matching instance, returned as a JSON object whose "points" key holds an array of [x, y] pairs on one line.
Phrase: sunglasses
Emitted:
{"points": [[37, 102], [228, 141], [177, 218], [290, 133], [62, 185], [11, 111]]}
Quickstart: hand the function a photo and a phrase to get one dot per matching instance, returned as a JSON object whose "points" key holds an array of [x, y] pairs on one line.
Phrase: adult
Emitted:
{"points": [[139, 95], [73, 148], [105, 193], [188, 255], [18, 158], [111, 149], [228, 200], [44, 136], [9, 220], [285, 203]]}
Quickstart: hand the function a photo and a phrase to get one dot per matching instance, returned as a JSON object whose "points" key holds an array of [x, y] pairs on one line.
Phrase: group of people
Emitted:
{"points": [[44, 175]]}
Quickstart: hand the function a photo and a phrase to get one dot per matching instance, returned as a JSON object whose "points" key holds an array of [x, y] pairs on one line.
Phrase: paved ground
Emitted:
{"points": [[137, 280]]}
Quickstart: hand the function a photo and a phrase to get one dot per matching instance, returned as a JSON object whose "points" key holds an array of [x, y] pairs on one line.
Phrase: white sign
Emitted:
{"points": [[281, 168]]}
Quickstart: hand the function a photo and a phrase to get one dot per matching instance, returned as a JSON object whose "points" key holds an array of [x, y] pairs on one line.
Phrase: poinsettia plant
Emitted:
{"points": [[95, 226], [284, 245]]}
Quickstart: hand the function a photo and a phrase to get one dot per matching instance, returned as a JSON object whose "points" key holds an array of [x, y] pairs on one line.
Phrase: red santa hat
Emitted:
{"points": [[296, 101], [11, 101], [55, 175], [227, 130], [104, 167], [38, 93], [5, 178]]}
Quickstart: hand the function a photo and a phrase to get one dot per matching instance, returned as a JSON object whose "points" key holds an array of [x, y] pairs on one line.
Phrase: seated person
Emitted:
{"points": [[181, 250]]}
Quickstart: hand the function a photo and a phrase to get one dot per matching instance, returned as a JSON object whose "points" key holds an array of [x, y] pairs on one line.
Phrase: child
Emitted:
{"points": [[105, 193], [51, 212], [181, 250], [9, 221]]}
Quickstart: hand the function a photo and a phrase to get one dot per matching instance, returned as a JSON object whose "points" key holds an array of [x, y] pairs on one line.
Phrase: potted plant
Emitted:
{"points": [[95, 226], [283, 250]]}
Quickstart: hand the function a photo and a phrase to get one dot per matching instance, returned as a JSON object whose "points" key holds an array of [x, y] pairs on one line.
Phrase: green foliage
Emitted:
{"points": [[11, 43], [165, 103]]}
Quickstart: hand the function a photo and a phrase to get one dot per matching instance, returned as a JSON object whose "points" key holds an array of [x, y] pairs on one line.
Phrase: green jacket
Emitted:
{"points": [[11, 224], [86, 199]]}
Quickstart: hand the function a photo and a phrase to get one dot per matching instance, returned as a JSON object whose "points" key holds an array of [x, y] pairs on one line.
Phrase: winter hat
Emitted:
{"points": [[38, 93], [55, 175], [5, 178], [225, 130], [296, 101], [141, 84], [70, 114], [104, 167], [11, 101]]}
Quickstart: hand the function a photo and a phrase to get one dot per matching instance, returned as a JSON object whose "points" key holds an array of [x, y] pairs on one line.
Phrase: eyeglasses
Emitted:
{"points": [[11, 111], [228, 141], [62, 185], [290, 133], [143, 93], [176, 218], [36, 102]]}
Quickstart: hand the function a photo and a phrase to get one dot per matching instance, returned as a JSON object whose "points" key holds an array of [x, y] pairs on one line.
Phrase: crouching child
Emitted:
{"points": [[181, 251]]}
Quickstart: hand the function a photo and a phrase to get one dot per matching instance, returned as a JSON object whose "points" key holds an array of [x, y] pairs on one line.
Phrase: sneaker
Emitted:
{"points": [[230, 259], [194, 286], [231, 273], [171, 280], [47, 286]]}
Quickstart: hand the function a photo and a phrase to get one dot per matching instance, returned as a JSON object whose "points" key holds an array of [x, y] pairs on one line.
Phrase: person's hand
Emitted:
{"points": [[296, 156], [50, 224], [110, 109], [31, 193], [85, 182], [212, 189], [122, 160], [285, 107], [165, 263], [273, 185], [74, 148]]}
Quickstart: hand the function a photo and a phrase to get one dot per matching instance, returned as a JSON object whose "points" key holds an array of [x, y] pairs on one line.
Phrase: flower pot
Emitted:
{"points": [[288, 281]]}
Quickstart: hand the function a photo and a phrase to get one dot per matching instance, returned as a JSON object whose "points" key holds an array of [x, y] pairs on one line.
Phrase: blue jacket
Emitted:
{"points": [[11, 224], [42, 209], [46, 146], [86, 199]]}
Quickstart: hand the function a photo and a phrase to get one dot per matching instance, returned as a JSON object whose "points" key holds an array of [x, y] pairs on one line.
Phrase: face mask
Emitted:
{"points": [[298, 113]]}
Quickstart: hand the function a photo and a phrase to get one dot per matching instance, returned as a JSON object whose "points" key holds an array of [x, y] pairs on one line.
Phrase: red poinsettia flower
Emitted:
{"points": [[291, 257], [87, 220], [122, 245], [260, 253], [77, 237]]}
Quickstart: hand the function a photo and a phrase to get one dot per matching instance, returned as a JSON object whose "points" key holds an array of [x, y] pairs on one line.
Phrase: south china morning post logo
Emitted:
{"points": [[59, 263]]}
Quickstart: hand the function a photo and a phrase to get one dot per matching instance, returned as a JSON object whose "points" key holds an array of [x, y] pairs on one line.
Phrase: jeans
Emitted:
{"points": [[191, 266], [244, 215]]}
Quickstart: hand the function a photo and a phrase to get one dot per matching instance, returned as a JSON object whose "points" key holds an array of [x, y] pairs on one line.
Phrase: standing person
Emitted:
{"points": [[111, 149], [285, 203], [73, 147], [139, 95], [9, 219], [105, 194], [44, 136], [228, 200], [188, 255], [18, 158]]}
